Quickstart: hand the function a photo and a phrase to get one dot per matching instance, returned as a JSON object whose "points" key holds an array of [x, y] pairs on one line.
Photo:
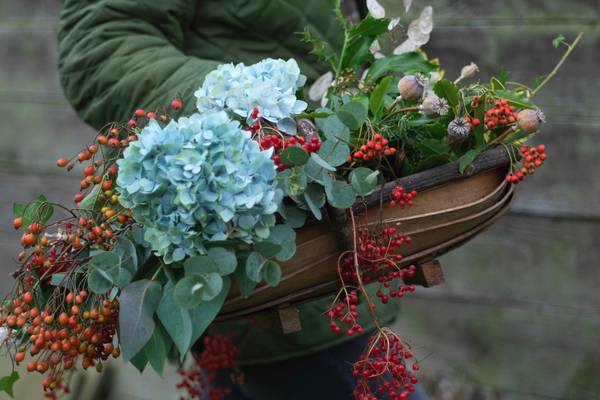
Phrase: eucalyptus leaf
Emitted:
{"points": [[335, 153], [213, 284], [294, 155], [267, 248], [138, 302], [225, 259], [363, 180], [243, 283], [285, 236], [156, 349], [200, 265], [332, 127], [254, 265], [176, 320], [126, 251], [315, 199], [294, 216], [271, 273], [203, 315], [339, 194], [103, 271], [320, 165], [187, 292], [139, 361]]}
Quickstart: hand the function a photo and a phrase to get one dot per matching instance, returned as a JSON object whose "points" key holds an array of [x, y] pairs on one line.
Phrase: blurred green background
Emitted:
{"points": [[519, 314]]}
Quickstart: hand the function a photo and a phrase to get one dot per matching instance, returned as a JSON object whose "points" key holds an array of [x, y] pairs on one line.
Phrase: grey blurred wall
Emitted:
{"points": [[519, 315]]}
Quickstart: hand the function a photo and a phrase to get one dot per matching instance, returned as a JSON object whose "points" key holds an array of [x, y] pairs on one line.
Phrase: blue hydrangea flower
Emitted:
{"points": [[198, 179], [270, 85]]}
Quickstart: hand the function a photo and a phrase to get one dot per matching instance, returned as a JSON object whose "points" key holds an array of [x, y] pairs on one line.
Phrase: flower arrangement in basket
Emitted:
{"points": [[181, 217]]}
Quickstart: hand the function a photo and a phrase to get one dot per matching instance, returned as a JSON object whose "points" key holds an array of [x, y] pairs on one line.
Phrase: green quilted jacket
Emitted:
{"points": [[117, 55]]}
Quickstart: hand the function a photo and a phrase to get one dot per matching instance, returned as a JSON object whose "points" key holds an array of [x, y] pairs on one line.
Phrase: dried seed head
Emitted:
{"points": [[411, 87], [434, 106], [458, 130], [469, 71], [306, 128], [529, 121]]}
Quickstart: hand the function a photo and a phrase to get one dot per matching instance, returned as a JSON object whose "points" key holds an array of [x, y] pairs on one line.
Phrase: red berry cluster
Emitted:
{"points": [[402, 198], [346, 311], [500, 114], [473, 122], [280, 143], [384, 366], [533, 158], [374, 148], [219, 354], [387, 282], [57, 339]]}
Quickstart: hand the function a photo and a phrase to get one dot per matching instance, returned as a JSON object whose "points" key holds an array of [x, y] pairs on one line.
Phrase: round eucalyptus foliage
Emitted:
{"points": [[200, 178], [270, 85]]}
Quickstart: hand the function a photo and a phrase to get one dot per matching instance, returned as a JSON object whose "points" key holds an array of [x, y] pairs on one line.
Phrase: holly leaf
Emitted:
{"points": [[370, 26], [406, 63], [378, 95], [353, 114], [7, 383], [138, 302], [447, 90], [468, 158]]}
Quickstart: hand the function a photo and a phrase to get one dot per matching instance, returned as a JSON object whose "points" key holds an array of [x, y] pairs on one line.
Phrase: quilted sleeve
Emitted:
{"points": [[116, 55]]}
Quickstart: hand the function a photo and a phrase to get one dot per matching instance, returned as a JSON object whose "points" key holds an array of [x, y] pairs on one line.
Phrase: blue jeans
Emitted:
{"points": [[323, 375]]}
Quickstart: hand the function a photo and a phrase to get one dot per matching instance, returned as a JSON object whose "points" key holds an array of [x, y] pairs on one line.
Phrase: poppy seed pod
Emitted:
{"points": [[529, 121], [458, 130], [434, 106], [411, 87], [469, 71], [306, 128]]}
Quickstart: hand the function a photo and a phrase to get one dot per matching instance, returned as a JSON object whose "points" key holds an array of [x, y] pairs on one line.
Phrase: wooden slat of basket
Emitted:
{"points": [[331, 286]]}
